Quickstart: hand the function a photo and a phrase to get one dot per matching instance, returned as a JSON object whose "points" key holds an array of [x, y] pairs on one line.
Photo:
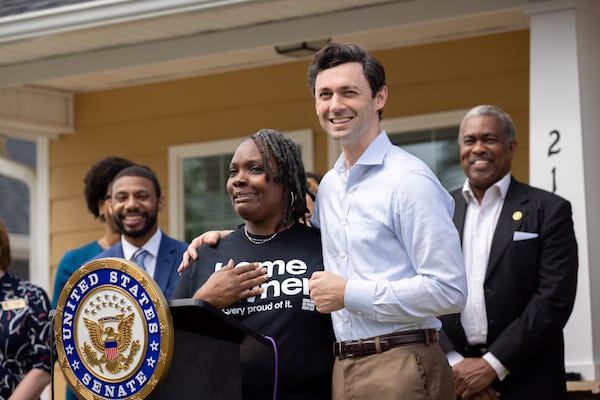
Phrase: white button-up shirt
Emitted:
{"points": [[386, 227]]}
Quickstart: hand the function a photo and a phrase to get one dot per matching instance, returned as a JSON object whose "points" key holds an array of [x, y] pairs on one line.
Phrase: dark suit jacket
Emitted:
{"points": [[529, 292], [170, 253]]}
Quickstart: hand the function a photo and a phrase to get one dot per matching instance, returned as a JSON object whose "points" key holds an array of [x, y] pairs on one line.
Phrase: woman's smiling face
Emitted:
{"points": [[254, 199]]}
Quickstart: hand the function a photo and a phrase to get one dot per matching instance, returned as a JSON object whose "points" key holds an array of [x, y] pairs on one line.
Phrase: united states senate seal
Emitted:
{"points": [[113, 331]]}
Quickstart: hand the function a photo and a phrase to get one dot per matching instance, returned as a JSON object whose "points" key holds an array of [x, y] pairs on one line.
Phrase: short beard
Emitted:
{"points": [[148, 226]]}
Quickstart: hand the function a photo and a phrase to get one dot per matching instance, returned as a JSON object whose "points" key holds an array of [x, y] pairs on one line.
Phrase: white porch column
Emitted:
{"points": [[564, 149]]}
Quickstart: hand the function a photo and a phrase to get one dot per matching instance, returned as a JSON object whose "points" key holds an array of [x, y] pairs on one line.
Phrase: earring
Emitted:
{"points": [[293, 199]]}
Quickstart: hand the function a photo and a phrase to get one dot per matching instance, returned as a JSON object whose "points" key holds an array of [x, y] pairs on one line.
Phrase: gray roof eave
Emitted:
{"points": [[96, 13]]}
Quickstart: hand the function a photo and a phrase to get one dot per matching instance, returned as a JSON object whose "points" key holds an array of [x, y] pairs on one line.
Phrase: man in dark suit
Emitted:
{"points": [[135, 202], [521, 263]]}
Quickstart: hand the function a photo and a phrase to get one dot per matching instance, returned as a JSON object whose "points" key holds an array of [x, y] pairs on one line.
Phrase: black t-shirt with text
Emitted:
{"points": [[283, 311]]}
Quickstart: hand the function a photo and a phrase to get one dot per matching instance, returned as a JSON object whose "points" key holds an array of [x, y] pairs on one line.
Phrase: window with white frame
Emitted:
{"points": [[197, 176], [431, 137], [18, 160]]}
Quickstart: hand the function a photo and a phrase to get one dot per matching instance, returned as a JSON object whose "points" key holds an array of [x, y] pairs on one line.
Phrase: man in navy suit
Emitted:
{"points": [[521, 263], [135, 202]]}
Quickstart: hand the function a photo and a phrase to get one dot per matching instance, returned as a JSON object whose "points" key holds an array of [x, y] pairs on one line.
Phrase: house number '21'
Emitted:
{"points": [[552, 150]]}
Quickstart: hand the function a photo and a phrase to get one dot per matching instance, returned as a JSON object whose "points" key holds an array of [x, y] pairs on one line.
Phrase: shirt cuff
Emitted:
{"points": [[454, 357], [500, 369], [358, 298]]}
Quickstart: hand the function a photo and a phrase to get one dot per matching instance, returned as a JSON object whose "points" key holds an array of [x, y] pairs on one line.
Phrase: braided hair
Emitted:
{"points": [[291, 175]]}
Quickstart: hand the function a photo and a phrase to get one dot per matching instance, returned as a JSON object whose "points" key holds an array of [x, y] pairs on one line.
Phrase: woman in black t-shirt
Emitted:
{"points": [[259, 274]]}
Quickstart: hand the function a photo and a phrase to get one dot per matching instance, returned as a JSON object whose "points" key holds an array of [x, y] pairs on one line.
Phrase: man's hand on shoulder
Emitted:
{"points": [[211, 238]]}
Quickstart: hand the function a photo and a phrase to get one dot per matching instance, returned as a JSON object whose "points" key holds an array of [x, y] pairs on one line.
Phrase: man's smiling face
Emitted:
{"points": [[485, 154], [345, 104]]}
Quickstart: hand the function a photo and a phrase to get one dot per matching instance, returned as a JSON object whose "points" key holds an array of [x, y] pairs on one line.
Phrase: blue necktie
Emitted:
{"points": [[138, 257]]}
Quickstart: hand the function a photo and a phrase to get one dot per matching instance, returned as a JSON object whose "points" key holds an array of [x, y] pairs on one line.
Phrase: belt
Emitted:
{"points": [[379, 344]]}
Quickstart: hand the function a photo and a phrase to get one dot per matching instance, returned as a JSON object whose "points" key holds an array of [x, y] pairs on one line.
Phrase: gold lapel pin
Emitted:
{"points": [[517, 215]]}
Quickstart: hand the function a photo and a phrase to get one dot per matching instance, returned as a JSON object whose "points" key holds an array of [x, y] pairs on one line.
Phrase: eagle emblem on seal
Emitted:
{"points": [[111, 336]]}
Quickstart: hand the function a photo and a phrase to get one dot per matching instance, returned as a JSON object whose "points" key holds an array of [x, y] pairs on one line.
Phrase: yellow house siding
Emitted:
{"points": [[459, 74], [141, 122]]}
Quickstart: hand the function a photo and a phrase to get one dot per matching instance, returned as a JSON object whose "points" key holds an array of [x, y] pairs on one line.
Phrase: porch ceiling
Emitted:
{"points": [[107, 44]]}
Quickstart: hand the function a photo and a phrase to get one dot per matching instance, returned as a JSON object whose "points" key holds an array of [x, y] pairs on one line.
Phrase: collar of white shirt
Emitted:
{"points": [[151, 246], [501, 185]]}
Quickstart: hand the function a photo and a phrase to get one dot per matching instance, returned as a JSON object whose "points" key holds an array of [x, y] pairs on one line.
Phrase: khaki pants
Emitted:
{"points": [[408, 372]]}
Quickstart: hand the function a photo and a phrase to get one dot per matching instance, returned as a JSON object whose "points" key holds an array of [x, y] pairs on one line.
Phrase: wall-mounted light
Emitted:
{"points": [[301, 49]]}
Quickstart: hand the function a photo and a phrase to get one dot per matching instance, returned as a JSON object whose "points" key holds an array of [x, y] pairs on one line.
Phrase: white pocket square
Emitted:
{"points": [[518, 235]]}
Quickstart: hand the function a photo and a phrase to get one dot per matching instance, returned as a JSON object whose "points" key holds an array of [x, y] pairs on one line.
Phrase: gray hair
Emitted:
{"points": [[508, 127]]}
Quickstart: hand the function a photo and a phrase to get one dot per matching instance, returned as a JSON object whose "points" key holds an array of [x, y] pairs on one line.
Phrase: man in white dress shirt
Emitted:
{"points": [[521, 262]]}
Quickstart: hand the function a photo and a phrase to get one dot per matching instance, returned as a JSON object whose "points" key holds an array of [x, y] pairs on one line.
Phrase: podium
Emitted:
{"points": [[215, 357], [118, 337]]}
